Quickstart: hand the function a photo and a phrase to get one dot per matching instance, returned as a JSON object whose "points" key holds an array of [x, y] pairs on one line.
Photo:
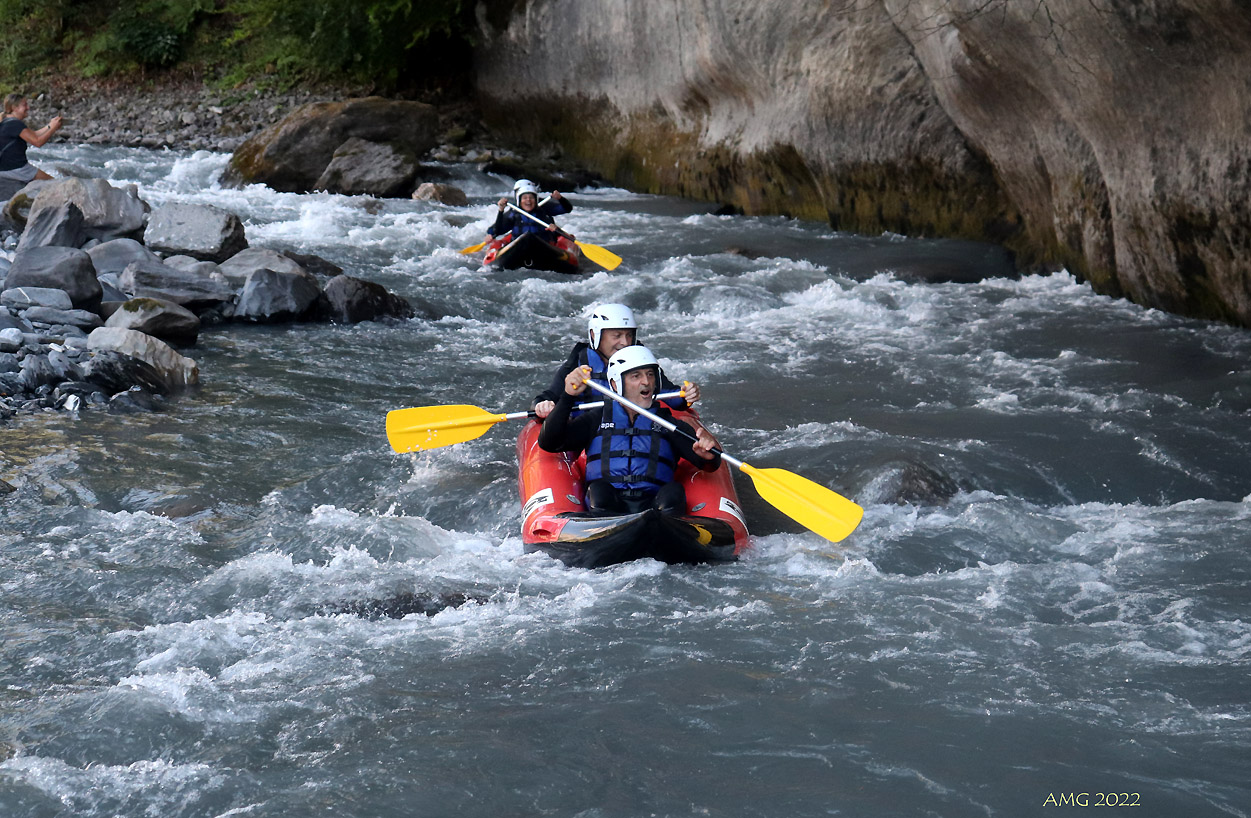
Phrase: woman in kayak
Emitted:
{"points": [[610, 328], [630, 461], [527, 195]]}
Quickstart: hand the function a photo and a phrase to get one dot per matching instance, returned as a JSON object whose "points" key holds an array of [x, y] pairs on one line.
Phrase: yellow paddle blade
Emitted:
{"points": [[430, 427], [813, 506], [475, 248], [604, 258]]}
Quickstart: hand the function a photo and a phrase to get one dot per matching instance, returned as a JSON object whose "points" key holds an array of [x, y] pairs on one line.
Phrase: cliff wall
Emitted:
{"points": [[1107, 136]]}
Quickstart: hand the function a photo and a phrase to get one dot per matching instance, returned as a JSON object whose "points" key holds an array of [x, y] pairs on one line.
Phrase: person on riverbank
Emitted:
{"points": [[527, 195], [630, 460], [610, 328], [15, 137]]}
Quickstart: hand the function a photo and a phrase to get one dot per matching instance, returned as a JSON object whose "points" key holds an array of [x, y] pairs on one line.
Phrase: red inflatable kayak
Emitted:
{"points": [[529, 251], [555, 521]]}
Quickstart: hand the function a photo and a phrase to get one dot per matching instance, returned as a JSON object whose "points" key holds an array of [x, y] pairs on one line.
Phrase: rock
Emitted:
{"points": [[37, 371], [292, 155], [82, 319], [10, 321], [169, 371], [160, 319], [270, 296], [108, 212], [10, 339], [239, 267], [113, 256], [59, 268], [206, 232], [60, 226], [441, 193], [21, 298], [314, 264], [17, 206], [363, 168], [188, 289], [350, 300]]}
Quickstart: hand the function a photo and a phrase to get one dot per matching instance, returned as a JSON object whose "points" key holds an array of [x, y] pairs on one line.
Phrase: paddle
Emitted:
{"points": [[604, 258], [811, 505], [433, 427], [476, 247]]}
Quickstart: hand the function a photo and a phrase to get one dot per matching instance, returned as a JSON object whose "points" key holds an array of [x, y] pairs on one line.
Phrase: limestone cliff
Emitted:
{"points": [[1107, 136]]}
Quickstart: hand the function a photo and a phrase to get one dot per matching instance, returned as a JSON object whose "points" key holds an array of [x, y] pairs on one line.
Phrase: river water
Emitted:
{"points": [[1047, 604]]}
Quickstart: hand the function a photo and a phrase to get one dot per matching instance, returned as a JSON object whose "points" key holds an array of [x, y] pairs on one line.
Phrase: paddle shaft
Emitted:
{"points": [[537, 220], [655, 418], [473, 248], [457, 423]]}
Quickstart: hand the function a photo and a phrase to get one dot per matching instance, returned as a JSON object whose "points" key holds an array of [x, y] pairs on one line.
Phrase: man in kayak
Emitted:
{"points": [[527, 195], [610, 328], [630, 462]]}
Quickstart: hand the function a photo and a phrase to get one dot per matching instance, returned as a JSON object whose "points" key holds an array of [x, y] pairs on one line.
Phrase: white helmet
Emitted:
{"points": [[610, 316], [524, 186], [626, 360]]}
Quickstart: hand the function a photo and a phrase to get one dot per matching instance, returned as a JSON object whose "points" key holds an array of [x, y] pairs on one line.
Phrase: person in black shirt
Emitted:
{"points": [[15, 136]]}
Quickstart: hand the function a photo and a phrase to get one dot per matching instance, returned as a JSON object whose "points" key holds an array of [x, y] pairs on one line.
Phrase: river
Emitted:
{"points": [[1047, 605]]}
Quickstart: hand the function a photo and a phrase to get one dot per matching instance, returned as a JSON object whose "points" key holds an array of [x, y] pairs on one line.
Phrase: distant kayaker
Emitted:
{"points": [[15, 136], [630, 462], [611, 327], [527, 195]]}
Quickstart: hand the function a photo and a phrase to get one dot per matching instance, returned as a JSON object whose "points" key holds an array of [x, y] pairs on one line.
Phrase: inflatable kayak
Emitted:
{"points": [[555, 522], [529, 251]]}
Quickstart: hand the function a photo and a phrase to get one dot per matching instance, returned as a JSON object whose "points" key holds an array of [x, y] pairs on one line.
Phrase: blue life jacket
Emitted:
{"points": [[639, 456], [518, 224]]}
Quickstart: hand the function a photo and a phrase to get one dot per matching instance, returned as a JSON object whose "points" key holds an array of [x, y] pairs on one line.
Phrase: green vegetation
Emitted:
{"points": [[388, 43]]}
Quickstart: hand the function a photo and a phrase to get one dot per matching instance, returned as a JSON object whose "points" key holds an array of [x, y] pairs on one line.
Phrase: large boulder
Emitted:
{"points": [[114, 256], [349, 300], [363, 168], [270, 296], [189, 289], [292, 155], [166, 370], [238, 267], [23, 298], [60, 226], [441, 193], [108, 212], [158, 318], [17, 205], [203, 231], [60, 268]]}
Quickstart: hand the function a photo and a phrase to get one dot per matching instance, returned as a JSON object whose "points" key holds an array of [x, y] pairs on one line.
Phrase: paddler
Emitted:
{"points": [[630, 462], [527, 195], [610, 328]]}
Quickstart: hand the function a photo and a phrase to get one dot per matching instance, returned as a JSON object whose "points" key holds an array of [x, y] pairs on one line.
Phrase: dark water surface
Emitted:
{"points": [[1050, 594]]}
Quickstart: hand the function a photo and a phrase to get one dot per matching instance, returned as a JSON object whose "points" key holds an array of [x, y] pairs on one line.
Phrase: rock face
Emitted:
{"points": [[292, 155], [1109, 138]]}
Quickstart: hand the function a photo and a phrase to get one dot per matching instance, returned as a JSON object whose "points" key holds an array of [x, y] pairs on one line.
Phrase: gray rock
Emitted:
{"points": [[17, 206], [82, 319], [173, 371], [441, 193], [188, 289], [239, 267], [25, 297], [59, 268], [158, 318], [108, 212], [10, 321], [11, 339], [363, 168], [292, 155], [60, 226], [38, 371], [114, 256], [350, 300], [203, 231], [273, 296]]}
